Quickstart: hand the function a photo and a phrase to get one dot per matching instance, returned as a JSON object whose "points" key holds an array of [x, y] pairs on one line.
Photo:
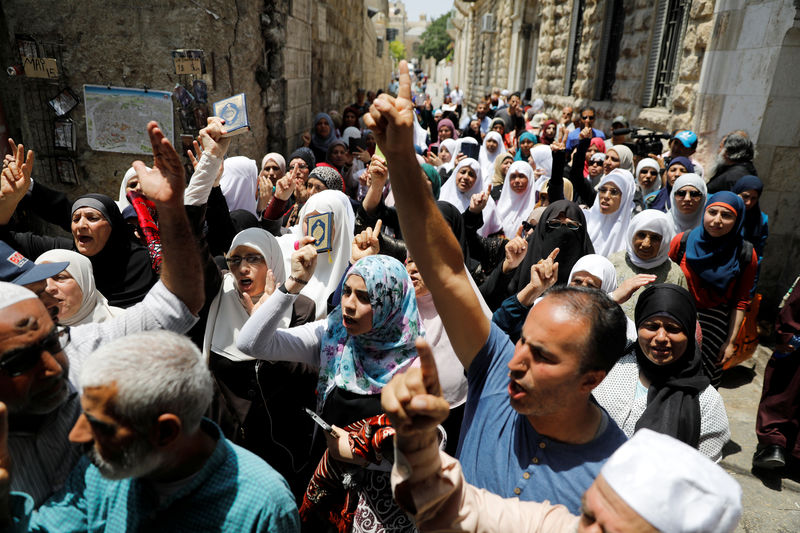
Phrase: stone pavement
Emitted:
{"points": [[771, 504]]}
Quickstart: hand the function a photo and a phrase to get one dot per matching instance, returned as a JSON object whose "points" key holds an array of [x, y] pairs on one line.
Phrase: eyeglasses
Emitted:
{"points": [[595, 163], [527, 226], [299, 166], [20, 360], [693, 194], [611, 191], [252, 259], [555, 224]]}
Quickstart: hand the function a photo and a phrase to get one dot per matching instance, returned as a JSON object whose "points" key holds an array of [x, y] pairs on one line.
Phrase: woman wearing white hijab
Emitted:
{"points": [[130, 182], [608, 219], [278, 159], [647, 249], [331, 265], [259, 421], [79, 301], [517, 199], [487, 156], [460, 188], [451, 147], [239, 183], [688, 202], [542, 156], [648, 176], [597, 272]]}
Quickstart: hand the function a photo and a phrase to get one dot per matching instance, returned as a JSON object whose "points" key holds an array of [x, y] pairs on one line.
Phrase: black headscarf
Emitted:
{"points": [[754, 226], [673, 400], [243, 219], [572, 244], [454, 219], [122, 269]]}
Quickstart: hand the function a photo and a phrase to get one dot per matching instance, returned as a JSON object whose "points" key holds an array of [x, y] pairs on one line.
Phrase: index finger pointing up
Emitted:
{"points": [[404, 90], [430, 376]]}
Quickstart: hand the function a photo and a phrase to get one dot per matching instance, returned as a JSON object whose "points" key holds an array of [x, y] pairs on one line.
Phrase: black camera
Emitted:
{"points": [[644, 141]]}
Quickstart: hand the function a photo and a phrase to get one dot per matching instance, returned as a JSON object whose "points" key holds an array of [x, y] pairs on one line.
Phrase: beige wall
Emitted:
{"points": [[291, 58]]}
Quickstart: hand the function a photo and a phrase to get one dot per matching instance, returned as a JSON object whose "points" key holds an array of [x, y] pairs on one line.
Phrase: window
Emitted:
{"points": [[662, 70], [573, 52], [613, 30], [379, 49]]}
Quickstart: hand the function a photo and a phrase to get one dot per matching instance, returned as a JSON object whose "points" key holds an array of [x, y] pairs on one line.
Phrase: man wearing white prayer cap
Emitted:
{"points": [[652, 483]]}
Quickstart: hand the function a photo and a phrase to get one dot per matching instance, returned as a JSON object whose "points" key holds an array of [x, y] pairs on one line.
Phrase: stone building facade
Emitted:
{"points": [[290, 57], [710, 65]]}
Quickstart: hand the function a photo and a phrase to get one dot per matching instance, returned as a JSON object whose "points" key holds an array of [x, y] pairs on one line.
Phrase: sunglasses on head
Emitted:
{"points": [[693, 194], [20, 360]]}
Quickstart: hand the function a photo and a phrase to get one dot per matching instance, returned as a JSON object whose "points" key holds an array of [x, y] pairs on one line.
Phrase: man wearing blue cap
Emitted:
{"points": [[684, 144]]}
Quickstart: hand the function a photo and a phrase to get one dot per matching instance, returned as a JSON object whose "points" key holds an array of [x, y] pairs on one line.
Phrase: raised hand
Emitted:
{"points": [[303, 264], [478, 201], [544, 275], [211, 137], [366, 243], [516, 249], [392, 119], [626, 289], [414, 403], [586, 133], [165, 182], [378, 171], [194, 157], [15, 179], [264, 193], [284, 187]]}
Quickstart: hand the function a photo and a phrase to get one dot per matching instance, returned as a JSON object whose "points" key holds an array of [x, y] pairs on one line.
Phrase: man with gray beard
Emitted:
{"points": [[152, 462], [734, 160]]}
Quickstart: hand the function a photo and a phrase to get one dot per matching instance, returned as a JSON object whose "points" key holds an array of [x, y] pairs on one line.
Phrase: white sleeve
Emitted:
{"points": [[160, 309], [202, 181], [261, 338]]}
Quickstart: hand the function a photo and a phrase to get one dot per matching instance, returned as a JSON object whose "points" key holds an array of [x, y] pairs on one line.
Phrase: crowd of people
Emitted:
{"points": [[305, 340]]}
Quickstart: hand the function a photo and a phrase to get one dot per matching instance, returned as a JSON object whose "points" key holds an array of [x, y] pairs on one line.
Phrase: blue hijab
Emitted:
{"points": [[323, 143], [716, 259], [663, 198], [363, 364], [525, 136], [753, 219]]}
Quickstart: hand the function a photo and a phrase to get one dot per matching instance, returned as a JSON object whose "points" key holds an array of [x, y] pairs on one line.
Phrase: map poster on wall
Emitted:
{"points": [[117, 117]]}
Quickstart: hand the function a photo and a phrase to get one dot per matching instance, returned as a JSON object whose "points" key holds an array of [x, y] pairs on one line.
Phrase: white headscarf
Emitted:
{"points": [[450, 193], [332, 265], [657, 222], [487, 158], [599, 266], [680, 221], [610, 232], [542, 156], [648, 163], [514, 208], [238, 183], [123, 202], [451, 145], [625, 156], [278, 158], [227, 315], [94, 306]]}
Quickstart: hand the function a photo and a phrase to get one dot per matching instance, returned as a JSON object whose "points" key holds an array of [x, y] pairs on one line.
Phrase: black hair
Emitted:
{"points": [[588, 108], [606, 340]]}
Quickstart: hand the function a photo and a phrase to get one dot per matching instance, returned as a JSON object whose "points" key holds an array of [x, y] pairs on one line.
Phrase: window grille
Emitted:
{"points": [[573, 52], [613, 30], [663, 64]]}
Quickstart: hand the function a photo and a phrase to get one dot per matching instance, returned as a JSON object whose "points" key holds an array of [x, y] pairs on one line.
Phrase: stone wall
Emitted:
{"points": [[291, 58], [110, 42], [628, 89]]}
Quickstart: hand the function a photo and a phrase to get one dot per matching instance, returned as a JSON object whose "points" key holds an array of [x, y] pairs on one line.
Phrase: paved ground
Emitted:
{"points": [[771, 502]]}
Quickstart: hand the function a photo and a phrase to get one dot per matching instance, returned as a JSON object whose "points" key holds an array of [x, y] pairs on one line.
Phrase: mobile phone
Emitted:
{"points": [[434, 150], [470, 150], [357, 143], [320, 422]]}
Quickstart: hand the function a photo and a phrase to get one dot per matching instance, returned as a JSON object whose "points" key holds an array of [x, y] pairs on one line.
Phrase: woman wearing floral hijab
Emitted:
{"points": [[358, 348]]}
